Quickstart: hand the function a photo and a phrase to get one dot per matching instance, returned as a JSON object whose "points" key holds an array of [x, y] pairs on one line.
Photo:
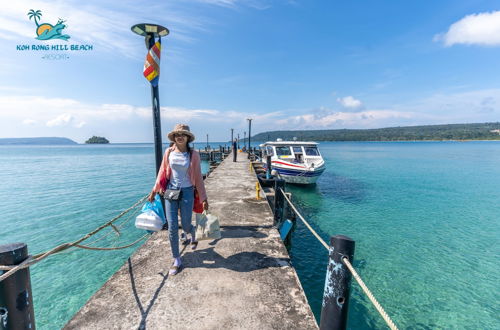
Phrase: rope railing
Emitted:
{"points": [[367, 291], [32, 260], [363, 286]]}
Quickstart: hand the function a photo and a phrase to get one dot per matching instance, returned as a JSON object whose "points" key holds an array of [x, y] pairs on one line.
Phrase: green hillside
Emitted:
{"points": [[36, 141], [484, 131]]}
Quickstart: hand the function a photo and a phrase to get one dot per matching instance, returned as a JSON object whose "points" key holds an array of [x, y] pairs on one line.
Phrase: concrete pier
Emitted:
{"points": [[242, 281]]}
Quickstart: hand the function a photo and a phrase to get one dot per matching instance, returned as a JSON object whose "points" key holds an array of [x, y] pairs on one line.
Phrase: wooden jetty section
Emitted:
{"points": [[242, 281]]}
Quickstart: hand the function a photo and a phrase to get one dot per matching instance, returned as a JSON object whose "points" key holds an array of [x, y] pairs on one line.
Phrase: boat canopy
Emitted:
{"points": [[289, 143]]}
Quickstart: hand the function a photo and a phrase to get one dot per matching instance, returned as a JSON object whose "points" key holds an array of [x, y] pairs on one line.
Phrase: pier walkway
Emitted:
{"points": [[242, 281]]}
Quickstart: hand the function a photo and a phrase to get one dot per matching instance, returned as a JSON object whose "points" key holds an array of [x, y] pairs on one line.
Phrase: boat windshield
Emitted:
{"points": [[283, 151], [297, 150], [311, 151]]}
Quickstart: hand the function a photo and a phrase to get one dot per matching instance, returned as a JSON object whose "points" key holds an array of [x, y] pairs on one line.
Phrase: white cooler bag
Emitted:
{"points": [[149, 221]]}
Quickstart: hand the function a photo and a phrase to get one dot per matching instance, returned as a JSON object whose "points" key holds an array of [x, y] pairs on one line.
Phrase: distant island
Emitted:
{"points": [[97, 140], [483, 131], [36, 141]]}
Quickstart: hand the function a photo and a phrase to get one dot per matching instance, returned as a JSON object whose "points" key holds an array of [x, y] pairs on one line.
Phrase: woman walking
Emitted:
{"points": [[180, 170]]}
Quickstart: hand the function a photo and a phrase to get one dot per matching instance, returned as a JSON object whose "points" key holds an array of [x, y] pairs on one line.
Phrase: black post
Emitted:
{"points": [[235, 151], [279, 201], [249, 132], [337, 284], [238, 141], [16, 301], [232, 138], [155, 99], [268, 164]]}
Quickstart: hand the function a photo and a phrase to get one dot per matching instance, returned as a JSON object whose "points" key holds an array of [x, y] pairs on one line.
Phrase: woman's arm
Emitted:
{"points": [[198, 177], [161, 178]]}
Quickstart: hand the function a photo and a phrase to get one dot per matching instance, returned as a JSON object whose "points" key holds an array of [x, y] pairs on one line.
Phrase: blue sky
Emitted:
{"points": [[286, 64]]}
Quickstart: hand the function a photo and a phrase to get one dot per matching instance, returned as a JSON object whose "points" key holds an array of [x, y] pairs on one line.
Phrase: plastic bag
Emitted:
{"points": [[207, 226], [149, 221], [156, 206], [152, 217]]}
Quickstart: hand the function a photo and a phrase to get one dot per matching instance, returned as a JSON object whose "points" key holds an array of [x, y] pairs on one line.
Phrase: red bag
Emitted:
{"points": [[197, 205]]}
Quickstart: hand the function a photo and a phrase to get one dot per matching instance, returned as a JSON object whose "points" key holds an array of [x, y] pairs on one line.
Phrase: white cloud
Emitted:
{"points": [[350, 102], [476, 29], [61, 120], [20, 116], [329, 119]]}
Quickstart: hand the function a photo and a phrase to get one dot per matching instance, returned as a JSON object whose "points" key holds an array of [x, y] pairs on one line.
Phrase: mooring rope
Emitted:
{"points": [[370, 295], [31, 260], [367, 291], [111, 248]]}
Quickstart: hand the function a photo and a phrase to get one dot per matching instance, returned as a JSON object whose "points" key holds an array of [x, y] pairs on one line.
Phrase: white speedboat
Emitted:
{"points": [[295, 161]]}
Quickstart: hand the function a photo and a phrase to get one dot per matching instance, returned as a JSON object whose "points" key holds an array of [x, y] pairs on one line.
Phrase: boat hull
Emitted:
{"points": [[299, 176]]}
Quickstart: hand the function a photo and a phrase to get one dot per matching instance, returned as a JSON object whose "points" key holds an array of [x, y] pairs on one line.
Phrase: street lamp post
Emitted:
{"points": [[232, 138], [150, 32], [249, 131]]}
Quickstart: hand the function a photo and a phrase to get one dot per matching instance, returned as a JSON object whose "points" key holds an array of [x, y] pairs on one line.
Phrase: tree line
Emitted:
{"points": [[479, 131]]}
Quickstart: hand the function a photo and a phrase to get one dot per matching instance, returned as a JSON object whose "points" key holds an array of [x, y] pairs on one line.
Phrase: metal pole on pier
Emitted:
{"points": [[337, 284], [269, 167], [279, 201], [16, 301], [249, 132], [238, 144], [232, 138], [152, 74], [207, 142]]}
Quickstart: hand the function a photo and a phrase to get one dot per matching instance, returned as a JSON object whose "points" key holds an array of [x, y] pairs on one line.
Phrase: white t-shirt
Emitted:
{"points": [[179, 163]]}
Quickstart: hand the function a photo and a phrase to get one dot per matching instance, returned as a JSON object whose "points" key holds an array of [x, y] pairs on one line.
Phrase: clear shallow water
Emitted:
{"points": [[425, 218]]}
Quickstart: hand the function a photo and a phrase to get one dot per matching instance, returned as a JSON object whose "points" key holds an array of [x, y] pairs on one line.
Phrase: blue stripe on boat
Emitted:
{"points": [[297, 172]]}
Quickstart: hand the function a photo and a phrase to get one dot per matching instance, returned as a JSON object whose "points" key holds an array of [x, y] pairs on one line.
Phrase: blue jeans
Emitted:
{"points": [[185, 204]]}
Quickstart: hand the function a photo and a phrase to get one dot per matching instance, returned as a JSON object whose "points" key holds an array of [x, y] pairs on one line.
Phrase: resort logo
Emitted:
{"points": [[46, 32]]}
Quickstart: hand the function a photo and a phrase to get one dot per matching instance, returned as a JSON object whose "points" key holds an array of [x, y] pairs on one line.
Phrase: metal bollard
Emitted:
{"points": [[279, 201], [257, 191], [268, 165], [16, 302], [337, 284]]}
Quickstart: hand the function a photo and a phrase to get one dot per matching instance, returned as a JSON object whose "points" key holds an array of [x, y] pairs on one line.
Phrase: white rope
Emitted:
{"points": [[367, 291], [370, 295], [31, 260], [11, 271]]}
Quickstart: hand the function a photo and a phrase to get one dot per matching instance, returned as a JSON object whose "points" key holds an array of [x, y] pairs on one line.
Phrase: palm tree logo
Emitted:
{"points": [[46, 31]]}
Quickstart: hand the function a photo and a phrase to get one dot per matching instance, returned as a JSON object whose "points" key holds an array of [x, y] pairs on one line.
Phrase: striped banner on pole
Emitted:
{"points": [[152, 64]]}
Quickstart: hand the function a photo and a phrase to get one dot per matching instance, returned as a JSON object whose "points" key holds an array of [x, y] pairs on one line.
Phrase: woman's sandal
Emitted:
{"points": [[174, 270], [194, 245]]}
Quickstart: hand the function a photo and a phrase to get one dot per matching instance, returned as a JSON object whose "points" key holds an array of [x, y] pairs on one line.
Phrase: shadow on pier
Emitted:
{"points": [[240, 262]]}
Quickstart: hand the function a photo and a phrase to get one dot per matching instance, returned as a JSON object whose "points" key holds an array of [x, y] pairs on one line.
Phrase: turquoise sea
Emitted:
{"points": [[425, 217]]}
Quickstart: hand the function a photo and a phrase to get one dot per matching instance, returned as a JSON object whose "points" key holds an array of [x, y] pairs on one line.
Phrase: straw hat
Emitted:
{"points": [[181, 129]]}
